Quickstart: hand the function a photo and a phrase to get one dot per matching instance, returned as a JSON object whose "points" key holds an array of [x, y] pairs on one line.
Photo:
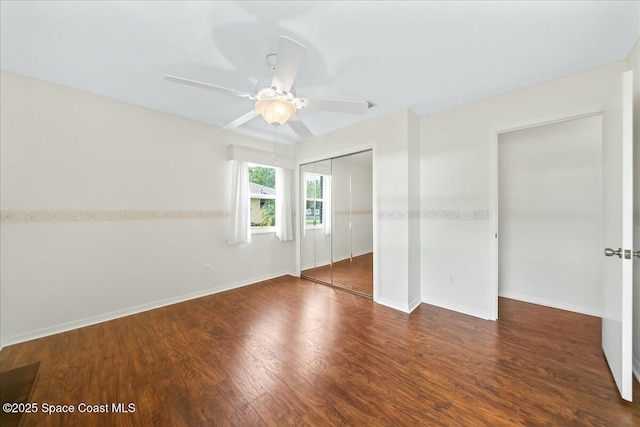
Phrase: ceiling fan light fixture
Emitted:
{"points": [[275, 111]]}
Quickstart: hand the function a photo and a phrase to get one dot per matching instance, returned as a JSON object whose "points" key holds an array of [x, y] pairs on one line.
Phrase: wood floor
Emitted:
{"points": [[292, 352], [16, 386]]}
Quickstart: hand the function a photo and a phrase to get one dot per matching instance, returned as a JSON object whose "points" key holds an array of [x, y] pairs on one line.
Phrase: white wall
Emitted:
{"points": [[550, 232], [456, 168], [633, 63], [80, 159]]}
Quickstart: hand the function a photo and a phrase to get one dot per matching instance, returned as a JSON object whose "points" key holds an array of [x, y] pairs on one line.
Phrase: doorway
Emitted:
{"points": [[549, 197]]}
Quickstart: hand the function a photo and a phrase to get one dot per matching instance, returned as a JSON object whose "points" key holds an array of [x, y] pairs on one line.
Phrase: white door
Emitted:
{"points": [[617, 192]]}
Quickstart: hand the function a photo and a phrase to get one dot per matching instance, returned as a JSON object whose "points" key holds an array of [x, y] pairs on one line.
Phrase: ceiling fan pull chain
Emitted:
{"points": [[275, 146]]}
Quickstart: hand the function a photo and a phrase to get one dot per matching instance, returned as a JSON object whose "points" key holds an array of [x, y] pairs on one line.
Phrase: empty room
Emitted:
{"points": [[371, 213]]}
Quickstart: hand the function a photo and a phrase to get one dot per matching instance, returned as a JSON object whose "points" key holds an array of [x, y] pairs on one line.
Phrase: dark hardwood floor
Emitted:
{"points": [[16, 386], [292, 352]]}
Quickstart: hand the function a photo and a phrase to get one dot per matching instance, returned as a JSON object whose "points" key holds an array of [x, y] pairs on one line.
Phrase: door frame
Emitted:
{"points": [[297, 200], [494, 137]]}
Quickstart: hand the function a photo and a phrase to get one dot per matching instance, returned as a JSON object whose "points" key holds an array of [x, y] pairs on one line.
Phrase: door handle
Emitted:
{"points": [[636, 254], [611, 252]]}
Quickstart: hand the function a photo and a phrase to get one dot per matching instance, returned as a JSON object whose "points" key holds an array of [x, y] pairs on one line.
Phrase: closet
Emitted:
{"points": [[336, 245]]}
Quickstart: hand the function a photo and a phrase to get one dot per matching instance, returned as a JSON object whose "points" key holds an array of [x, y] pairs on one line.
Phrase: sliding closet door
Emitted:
{"points": [[321, 196], [308, 241], [336, 245], [362, 222], [341, 234], [315, 243]]}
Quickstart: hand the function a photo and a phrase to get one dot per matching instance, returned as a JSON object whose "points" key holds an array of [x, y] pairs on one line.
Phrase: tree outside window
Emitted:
{"points": [[262, 189]]}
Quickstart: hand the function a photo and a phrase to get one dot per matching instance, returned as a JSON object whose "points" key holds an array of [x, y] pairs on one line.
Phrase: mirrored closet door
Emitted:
{"points": [[315, 245], [341, 237], [362, 222], [337, 222]]}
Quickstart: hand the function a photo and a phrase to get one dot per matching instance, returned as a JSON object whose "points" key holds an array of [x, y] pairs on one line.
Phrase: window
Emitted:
{"points": [[314, 200], [262, 191]]}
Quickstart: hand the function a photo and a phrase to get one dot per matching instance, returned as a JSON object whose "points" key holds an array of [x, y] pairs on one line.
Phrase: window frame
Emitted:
{"points": [[260, 229]]}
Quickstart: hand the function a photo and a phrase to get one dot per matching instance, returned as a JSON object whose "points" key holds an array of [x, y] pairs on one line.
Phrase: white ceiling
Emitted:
{"points": [[427, 56]]}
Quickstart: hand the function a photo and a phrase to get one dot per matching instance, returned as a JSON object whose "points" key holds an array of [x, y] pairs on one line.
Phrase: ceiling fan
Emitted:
{"points": [[276, 99]]}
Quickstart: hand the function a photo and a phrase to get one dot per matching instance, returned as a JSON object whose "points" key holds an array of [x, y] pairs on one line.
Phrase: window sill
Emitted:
{"points": [[263, 230]]}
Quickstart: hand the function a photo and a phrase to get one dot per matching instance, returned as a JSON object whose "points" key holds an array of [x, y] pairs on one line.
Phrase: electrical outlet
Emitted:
{"points": [[207, 268]]}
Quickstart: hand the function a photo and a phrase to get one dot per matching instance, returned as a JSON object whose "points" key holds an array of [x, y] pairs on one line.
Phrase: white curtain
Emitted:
{"points": [[326, 204], [240, 204], [284, 211]]}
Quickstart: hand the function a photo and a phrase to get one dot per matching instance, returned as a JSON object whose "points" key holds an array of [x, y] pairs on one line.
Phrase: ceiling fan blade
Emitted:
{"points": [[337, 106], [241, 120], [298, 127], [288, 60], [215, 88]]}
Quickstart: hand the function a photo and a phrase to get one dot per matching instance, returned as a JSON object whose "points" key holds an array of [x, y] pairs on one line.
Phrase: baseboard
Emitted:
{"points": [[459, 308], [394, 304], [549, 303], [636, 368], [414, 304], [88, 321], [406, 308]]}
